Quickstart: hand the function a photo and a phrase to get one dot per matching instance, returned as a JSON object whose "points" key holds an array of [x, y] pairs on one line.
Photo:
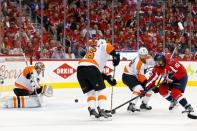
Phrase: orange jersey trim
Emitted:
{"points": [[91, 98], [148, 95], [23, 101], [22, 87], [102, 97], [126, 70], [141, 78], [90, 61], [136, 93], [109, 48], [139, 65], [28, 70], [14, 101]]}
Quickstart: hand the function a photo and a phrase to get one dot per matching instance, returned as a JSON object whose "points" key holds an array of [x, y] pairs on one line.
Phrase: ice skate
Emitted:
{"points": [[104, 114], [144, 106], [190, 112], [173, 105], [132, 108], [188, 109], [93, 113]]}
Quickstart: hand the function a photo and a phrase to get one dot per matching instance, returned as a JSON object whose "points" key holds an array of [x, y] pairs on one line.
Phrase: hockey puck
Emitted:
{"points": [[76, 100]]}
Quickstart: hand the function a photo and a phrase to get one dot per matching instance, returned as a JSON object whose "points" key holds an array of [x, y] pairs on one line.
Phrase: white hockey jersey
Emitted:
{"points": [[23, 83], [97, 55], [138, 68]]}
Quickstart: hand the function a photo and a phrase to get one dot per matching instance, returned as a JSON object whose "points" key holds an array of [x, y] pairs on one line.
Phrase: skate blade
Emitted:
{"points": [[144, 110], [93, 118], [192, 116], [173, 109], [132, 112], [105, 119]]}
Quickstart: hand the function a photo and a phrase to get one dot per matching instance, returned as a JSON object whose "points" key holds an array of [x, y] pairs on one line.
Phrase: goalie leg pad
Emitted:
{"points": [[23, 102]]}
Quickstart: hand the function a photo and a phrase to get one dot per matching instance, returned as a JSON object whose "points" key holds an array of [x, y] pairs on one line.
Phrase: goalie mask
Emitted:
{"points": [[39, 67]]}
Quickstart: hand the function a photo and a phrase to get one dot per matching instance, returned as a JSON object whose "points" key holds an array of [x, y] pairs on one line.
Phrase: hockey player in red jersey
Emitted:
{"points": [[173, 77]]}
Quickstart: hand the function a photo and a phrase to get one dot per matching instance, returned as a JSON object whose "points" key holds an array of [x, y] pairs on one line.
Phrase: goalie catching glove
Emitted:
{"points": [[109, 79]]}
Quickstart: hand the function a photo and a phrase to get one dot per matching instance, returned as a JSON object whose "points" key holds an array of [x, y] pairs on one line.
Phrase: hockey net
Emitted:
{"points": [[10, 67]]}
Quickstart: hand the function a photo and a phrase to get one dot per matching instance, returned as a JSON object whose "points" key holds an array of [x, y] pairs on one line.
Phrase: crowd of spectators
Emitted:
{"points": [[67, 30]]}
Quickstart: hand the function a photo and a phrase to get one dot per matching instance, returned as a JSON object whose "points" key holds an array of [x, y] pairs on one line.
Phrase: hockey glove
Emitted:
{"points": [[155, 90], [109, 79], [29, 76], [116, 58], [170, 78], [33, 84]]}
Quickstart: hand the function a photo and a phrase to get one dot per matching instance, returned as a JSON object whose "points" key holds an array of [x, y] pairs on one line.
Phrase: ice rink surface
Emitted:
{"points": [[60, 112]]}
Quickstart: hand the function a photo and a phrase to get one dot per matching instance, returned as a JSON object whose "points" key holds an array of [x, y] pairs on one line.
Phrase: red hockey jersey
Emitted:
{"points": [[171, 66]]}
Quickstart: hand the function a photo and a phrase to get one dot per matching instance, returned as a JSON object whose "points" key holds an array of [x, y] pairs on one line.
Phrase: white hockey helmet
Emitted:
{"points": [[101, 41], [142, 51]]}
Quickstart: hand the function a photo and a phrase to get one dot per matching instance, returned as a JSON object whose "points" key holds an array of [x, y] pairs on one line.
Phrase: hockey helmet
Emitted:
{"points": [[101, 41], [160, 59], [143, 52], [39, 67], [92, 42]]}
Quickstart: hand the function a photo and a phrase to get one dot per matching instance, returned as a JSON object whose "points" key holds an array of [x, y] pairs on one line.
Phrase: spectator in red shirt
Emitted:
{"points": [[177, 56], [187, 55], [195, 57]]}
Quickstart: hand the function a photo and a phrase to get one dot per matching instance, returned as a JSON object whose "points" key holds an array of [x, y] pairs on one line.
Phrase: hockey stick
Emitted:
{"points": [[112, 89], [39, 102], [113, 111], [173, 53], [180, 26], [191, 116]]}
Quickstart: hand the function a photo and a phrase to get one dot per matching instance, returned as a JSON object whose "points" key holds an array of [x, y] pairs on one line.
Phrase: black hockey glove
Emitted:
{"points": [[155, 90], [82, 53], [116, 58], [29, 75], [170, 77], [109, 79]]}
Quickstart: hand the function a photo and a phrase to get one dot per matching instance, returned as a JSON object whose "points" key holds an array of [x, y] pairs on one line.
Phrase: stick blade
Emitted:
{"points": [[191, 116], [110, 111]]}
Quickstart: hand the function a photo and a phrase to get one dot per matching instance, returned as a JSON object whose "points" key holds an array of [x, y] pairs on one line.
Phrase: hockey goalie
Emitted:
{"points": [[28, 90]]}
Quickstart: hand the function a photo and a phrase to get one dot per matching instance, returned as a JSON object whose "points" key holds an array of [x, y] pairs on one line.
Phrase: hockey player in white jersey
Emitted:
{"points": [[28, 89], [91, 78], [134, 76]]}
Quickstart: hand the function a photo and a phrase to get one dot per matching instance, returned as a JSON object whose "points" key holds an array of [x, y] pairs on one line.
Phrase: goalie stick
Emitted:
{"points": [[39, 102]]}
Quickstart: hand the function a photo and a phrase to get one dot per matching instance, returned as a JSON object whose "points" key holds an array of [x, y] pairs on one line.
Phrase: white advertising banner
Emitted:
{"points": [[62, 74]]}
